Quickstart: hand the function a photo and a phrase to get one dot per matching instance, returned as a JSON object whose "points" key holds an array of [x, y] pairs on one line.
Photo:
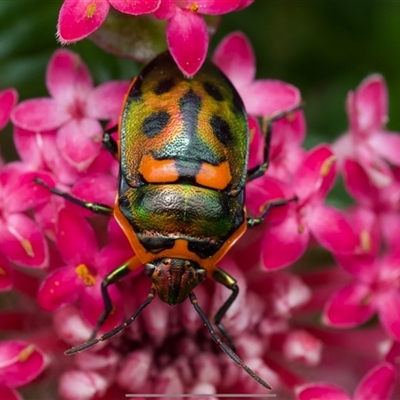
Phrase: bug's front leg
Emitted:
{"points": [[252, 222]]}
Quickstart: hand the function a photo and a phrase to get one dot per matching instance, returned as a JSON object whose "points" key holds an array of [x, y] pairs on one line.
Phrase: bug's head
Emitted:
{"points": [[175, 278]]}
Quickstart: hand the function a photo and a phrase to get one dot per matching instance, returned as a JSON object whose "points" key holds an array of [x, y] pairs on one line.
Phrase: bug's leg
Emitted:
{"points": [[119, 328], [111, 278], [109, 142], [225, 279], [227, 350], [252, 222], [96, 208], [259, 170]]}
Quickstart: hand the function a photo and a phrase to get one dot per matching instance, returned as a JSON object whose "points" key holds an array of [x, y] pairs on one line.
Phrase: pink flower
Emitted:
{"points": [[374, 289], [21, 240], [20, 363], [377, 384], [261, 97], [186, 31], [81, 278], [367, 141], [79, 18], [292, 225], [74, 109]]}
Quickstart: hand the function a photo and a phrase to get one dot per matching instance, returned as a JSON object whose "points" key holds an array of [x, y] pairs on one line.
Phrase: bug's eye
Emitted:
{"points": [[149, 269]]}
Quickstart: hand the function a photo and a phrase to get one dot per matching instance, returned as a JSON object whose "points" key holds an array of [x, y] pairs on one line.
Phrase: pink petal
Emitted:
{"points": [[79, 18], [393, 355], [6, 274], [332, 230], [134, 370], [61, 287], [266, 98], [389, 313], [372, 103], [283, 244], [390, 225], [316, 175], [377, 384], [22, 242], [71, 326], [68, 78], [166, 9], [266, 190], [216, 7], [82, 385], [343, 147], [23, 193], [244, 4], [80, 142], [28, 145], [325, 391], [187, 40], [99, 188], [387, 145], [235, 56], [20, 363], [39, 115], [105, 101], [7, 393], [8, 99], [301, 346], [76, 239], [136, 7], [358, 183], [350, 306], [256, 143]]}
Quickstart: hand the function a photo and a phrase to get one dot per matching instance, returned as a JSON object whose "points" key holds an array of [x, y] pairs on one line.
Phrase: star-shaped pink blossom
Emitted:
{"points": [[74, 109]]}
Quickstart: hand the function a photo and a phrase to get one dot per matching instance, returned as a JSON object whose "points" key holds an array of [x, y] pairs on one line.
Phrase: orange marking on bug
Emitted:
{"points": [[91, 10], [214, 176], [158, 171], [83, 272], [25, 353], [180, 249], [3, 272]]}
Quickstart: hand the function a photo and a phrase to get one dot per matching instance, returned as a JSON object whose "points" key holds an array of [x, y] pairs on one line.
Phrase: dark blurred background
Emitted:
{"points": [[325, 48]]}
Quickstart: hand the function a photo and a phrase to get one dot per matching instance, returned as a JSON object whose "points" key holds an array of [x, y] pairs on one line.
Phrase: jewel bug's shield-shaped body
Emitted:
{"points": [[183, 148], [183, 156]]}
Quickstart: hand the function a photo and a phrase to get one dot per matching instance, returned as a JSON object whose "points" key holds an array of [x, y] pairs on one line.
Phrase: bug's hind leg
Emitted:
{"points": [[225, 279], [110, 279]]}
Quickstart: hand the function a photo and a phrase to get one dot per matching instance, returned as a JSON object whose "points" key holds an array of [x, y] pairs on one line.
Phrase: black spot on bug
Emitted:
{"points": [[164, 86], [221, 130], [135, 94], [238, 106], [155, 123], [213, 91]]}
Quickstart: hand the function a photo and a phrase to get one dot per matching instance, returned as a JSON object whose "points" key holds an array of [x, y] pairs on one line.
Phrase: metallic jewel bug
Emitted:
{"points": [[183, 148]]}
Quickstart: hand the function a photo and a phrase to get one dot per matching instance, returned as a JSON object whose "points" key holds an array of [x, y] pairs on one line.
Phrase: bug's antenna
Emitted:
{"points": [[228, 351], [116, 330]]}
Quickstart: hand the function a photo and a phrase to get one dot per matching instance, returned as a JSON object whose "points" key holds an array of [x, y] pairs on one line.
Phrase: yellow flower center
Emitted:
{"points": [[83, 272]]}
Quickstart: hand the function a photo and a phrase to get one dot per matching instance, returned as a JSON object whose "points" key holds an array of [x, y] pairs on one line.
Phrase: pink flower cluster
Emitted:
{"points": [[289, 323], [186, 30]]}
